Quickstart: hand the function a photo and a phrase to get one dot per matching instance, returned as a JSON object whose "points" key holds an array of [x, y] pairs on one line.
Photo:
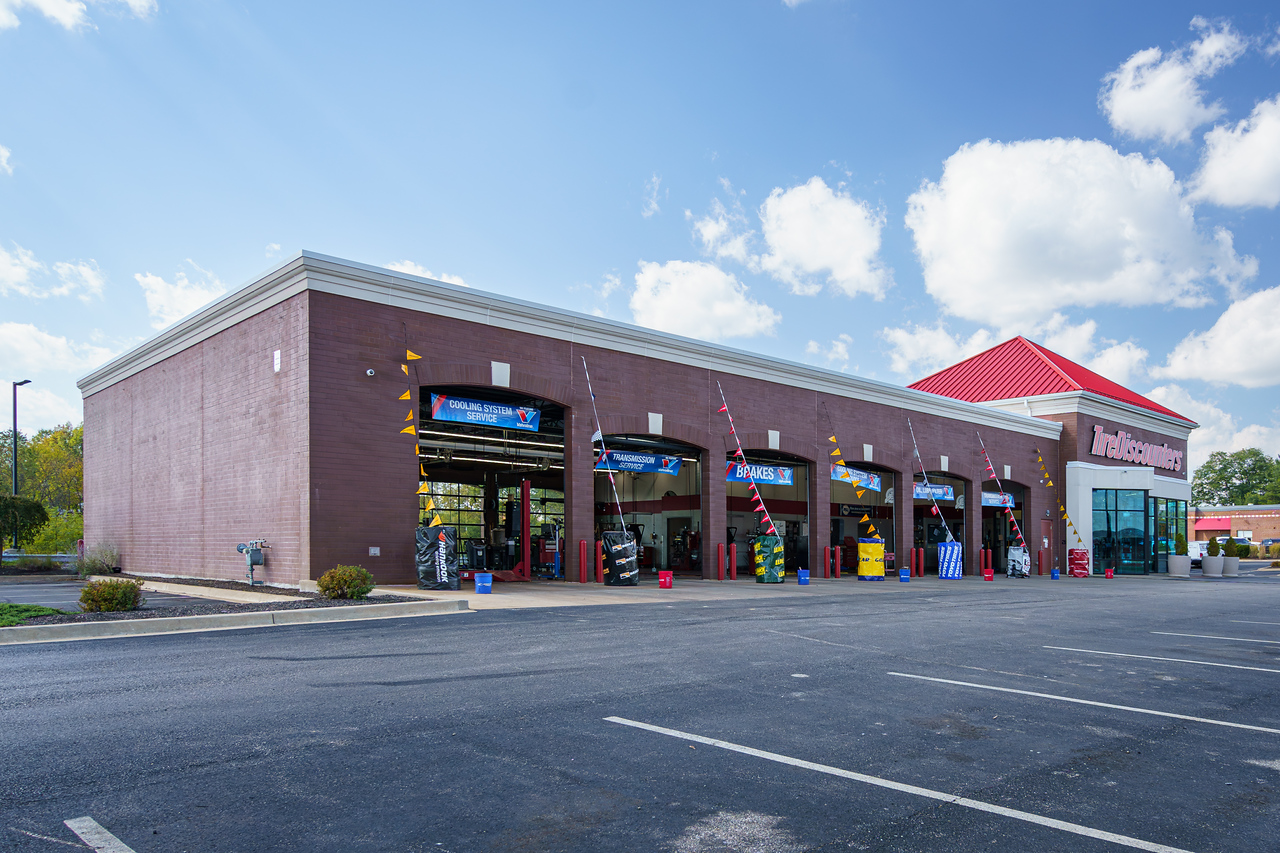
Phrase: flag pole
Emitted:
{"points": [[1000, 486], [604, 451], [936, 509], [724, 407]]}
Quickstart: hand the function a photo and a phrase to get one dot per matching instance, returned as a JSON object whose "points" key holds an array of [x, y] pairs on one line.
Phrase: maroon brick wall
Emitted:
{"points": [[206, 449]]}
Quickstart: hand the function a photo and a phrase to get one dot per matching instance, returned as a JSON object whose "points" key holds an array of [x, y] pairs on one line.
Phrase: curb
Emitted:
{"points": [[23, 634]]}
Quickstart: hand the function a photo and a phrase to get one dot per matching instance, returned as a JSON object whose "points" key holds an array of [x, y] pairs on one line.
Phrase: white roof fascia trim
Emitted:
{"points": [[379, 285], [278, 285], [1096, 405]]}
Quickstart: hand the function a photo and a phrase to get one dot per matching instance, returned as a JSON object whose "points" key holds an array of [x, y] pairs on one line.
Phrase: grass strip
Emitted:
{"points": [[16, 614]]}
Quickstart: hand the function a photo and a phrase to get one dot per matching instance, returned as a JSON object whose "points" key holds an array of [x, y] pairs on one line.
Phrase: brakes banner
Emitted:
{"points": [[764, 475], [482, 413], [854, 477], [638, 463]]}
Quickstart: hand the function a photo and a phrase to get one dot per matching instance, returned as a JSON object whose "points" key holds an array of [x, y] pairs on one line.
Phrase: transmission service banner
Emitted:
{"points": [[997, 499], [446, 408], [638, 463]]}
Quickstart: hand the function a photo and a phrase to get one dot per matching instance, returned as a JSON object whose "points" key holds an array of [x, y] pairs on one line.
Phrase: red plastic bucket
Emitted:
{"points": [[665, 580]]}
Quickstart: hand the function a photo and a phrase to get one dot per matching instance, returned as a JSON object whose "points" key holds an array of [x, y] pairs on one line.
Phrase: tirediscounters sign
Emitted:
{"points": [[638, 463], [764, 475], [446, 408]]}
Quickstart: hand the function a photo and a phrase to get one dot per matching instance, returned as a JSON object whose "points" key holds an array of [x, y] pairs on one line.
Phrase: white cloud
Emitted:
{"points": [[1242, 347], [168, 302], [4, 161], [1240, 166], [600, 295], [834, 355], [83, 277], [272, 250], [791, 4], [1273, 49], [1219, 430], [1158, 96], [422, 272], [814, 234], [70, 14], [40, 408], [651, 197], [16, 271], [698, 300], [34, 350], [917, 351], [1014, 232], [724, 232]]}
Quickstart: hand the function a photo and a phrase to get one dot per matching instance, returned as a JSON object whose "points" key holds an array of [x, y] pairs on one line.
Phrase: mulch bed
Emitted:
{"points": [[205, 607]]}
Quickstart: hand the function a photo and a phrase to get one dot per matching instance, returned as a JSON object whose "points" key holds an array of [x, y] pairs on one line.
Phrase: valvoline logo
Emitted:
{"points": [[523, 414], [666, 462]]}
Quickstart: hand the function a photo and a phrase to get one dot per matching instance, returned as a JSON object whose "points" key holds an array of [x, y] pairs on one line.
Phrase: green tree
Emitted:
{"points": [[23, 516], [50, 466], [1234, 479]]}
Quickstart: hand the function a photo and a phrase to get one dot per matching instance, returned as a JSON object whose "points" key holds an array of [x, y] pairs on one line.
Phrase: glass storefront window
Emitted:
{"points": [[1121, 531]]}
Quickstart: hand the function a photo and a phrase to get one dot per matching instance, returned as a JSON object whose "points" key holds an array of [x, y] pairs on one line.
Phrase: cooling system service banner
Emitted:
{"points": [[854, 477], [638, 463], [771, 475], [446, 408]]}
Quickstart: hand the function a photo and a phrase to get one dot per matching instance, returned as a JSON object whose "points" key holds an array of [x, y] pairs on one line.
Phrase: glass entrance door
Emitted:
{"points": [[1120, 531]]}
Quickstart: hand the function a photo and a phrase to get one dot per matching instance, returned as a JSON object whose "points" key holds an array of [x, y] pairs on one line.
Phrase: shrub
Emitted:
{"points": [[346, 582], [1213, 550], [1229, 548], [16, 614], [111, 596], [60, 535], [99, 560], [1275, 564], [1180, 545]]}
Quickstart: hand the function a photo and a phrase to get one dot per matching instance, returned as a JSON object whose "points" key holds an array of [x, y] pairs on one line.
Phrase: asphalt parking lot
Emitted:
{"points": [[1088, 715], [65, 595]]}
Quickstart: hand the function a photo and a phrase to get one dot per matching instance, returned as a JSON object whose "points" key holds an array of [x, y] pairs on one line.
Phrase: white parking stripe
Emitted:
{"points": [[1170, 660], [978, 805], [1091, 702], [92, 833], [1211, 637]]}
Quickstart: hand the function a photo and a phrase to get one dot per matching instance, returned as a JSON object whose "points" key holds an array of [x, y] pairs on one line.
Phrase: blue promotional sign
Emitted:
{"points": [[854, 477], [997, 499], [446, 408], [770, 475], [923, 492], [638, 463]]}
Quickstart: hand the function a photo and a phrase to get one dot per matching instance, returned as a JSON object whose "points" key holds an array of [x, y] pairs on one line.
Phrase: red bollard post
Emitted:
{"points": [[913, 563], [920, 560], [733, 561], [837, 569], [599, 562], [720, 561], [582, 561], [826, 562]]}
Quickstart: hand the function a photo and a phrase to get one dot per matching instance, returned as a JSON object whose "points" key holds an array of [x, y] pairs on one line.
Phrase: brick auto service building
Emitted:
{"points": [[330, 407]]}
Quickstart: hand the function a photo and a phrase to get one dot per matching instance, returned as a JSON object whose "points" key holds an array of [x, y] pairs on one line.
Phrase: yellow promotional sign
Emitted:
{"points": [[871, 559]]}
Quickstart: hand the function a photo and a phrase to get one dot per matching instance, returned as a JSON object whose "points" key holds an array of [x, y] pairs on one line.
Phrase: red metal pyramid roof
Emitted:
{"points": [[1020, 368]]}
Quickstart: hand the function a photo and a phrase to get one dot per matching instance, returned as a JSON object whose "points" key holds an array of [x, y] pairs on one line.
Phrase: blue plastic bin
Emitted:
{"points": [[484, 583], [1053, 574], [803, 576], [904, 575]]}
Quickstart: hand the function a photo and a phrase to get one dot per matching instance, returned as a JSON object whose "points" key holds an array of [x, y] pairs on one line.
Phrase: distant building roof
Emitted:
{"points": [[1020, 368]]}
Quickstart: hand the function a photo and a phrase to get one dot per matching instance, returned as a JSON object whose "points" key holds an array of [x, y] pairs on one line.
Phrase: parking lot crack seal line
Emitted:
{"points": [[1169, 660], [1075, 701], [48, 838], [941, 796]]}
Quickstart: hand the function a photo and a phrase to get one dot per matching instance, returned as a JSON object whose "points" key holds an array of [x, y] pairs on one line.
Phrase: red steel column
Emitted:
{"points": [[837, 569]]}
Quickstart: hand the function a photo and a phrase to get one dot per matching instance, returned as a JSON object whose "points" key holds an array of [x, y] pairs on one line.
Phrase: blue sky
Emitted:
{"points": [[877, 188]]}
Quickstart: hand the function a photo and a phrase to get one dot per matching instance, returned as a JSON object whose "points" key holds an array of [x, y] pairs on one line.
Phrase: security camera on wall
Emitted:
{"points": [[369, 372]]}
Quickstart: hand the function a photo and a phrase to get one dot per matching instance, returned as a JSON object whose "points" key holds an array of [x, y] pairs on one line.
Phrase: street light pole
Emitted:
{"points": [[15, 452]]}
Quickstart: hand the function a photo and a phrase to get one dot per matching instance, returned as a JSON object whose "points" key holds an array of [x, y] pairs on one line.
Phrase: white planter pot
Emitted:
{"points": [[1179, 566], [1231, 567], [1211, 567]]}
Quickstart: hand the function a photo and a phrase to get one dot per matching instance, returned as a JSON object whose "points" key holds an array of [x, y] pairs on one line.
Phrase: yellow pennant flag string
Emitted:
{"points": [[405, 368], [407, 395], [411, 430], [409, 416], [409, 355]]}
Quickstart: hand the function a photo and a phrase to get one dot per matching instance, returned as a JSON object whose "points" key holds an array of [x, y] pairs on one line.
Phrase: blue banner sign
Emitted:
{"points": [[854, 477], [638, 463], [764, 475], [446, 408], [924, 492], [997, 499]]}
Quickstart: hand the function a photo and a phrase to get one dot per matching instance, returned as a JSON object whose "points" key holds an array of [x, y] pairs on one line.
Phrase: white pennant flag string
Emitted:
{"points": [[724, 407]]}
